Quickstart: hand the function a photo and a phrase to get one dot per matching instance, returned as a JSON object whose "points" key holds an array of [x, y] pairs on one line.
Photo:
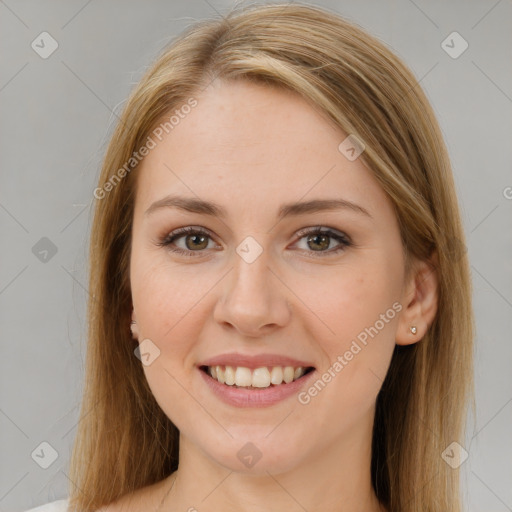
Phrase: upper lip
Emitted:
{"points": [[256, 361]]}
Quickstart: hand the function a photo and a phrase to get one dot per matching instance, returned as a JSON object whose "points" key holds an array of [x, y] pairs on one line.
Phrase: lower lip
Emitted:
{"points": [[240, 397]]}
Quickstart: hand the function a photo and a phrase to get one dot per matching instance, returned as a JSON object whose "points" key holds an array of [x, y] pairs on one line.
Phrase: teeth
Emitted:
{"points": [[288, 374], [276, 375], [229, 375], [298, 372], [258, 378], [243, 376]]}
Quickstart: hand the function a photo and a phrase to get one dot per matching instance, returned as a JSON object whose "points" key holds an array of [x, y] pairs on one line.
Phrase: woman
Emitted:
{"points": [[280, 314]]}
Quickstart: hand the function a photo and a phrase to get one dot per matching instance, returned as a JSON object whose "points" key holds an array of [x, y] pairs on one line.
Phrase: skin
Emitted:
{"points": [[250, 149]]}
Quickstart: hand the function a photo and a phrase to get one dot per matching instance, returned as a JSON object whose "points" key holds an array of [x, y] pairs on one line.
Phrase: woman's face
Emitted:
{"points": [[259, 286]]}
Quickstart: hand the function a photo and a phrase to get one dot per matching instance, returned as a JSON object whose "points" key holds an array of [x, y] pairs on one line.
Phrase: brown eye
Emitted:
{"points": [[318, 241], [196, 240], [321, 241]]}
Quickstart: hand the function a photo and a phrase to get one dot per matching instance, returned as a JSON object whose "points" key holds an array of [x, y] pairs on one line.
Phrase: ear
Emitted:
{"points": [[420, 300], [134, 327]]}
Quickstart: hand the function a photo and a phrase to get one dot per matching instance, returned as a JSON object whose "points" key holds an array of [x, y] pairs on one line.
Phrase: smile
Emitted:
{"points": [[240, 386], [257, 378]]}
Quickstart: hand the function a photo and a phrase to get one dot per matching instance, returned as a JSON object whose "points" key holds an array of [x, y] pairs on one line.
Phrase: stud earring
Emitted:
{"points": [[413, 329]]}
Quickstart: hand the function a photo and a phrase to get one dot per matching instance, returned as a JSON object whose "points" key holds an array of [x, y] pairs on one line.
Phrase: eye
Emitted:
{"points": [[319, 237], [196, 239]]}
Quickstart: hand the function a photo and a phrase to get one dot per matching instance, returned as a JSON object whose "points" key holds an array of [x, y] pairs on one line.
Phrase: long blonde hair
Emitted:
{"points": [[124, 440]]}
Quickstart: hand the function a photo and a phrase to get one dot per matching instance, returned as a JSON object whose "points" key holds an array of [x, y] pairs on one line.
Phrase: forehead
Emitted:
{"points": [[247, 144]]}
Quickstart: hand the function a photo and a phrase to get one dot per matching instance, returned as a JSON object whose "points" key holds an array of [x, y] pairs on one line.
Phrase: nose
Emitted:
{"points": [[253, 300]]}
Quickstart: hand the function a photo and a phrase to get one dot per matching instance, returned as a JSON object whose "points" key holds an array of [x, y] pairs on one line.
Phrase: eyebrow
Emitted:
{"points": [[200, 206]]}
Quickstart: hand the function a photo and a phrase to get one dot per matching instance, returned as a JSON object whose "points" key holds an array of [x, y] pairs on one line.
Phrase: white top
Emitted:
{"points": [[54, 506]]}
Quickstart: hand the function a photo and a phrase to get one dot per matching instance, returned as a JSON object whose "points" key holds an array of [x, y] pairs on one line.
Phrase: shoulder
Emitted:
{"points": [[54, 506]]}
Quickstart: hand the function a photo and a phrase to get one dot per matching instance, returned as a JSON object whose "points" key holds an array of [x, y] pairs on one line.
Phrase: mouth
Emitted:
{"points": [[257, 378]]}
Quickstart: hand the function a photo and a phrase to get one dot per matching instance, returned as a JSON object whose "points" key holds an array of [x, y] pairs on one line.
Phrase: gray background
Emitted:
{"points": [[57, 115]]}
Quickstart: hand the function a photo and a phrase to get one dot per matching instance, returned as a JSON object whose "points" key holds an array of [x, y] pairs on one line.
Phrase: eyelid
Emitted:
{"points": [[183, 231], [342, 238], [320, 228]]}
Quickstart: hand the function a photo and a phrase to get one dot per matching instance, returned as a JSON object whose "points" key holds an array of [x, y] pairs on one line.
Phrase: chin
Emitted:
{"points": [[256, 454]]}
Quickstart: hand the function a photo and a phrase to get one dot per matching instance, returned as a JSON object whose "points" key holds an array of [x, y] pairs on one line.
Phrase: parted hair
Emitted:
{"points": [[124, 441]]}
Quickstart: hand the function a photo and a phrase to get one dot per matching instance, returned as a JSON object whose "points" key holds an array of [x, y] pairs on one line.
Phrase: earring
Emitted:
{"points": [[132, 327], [413, 329]]}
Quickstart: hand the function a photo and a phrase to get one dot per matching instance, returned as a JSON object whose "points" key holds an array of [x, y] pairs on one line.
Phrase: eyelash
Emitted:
{"points": [[179, 233]]}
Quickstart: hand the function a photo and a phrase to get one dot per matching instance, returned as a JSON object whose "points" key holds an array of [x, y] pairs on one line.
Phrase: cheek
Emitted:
{"points": [[352, 300], [164, 296], [361, 313], [173, 304], [168, 304]]}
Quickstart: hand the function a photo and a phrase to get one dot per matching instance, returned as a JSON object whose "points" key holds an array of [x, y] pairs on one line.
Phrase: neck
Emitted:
{"points": [[338, 478]]}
